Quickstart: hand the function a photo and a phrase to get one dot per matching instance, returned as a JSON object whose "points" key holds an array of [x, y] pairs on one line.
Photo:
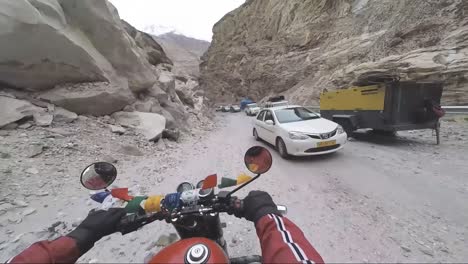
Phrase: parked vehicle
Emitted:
{"points": [[297, 131], [275, 104], [193, 210], [234, 109], [252, 109], [386, 107], [277, 98], [226, 108], [244, 103], [219, 108]]}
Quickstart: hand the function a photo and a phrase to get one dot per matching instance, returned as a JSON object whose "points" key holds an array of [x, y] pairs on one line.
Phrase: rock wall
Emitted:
{"points": [[302, 47], [78, 56]]}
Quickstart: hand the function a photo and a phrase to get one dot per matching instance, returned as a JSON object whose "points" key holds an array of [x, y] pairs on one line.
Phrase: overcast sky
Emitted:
{"points": [[194, 18]]}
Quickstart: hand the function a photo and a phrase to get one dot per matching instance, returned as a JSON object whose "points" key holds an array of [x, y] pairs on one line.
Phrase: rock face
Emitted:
{"points": [[50, 42], [302, 47], [154, 52], [184, 51]]}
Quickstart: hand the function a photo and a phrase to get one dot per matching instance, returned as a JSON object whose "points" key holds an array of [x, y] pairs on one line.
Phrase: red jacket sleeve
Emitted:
{"points": [[61, 250], [283, 242]]}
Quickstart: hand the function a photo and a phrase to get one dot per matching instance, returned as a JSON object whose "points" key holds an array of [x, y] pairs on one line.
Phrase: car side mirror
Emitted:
{"points": [[269, 122]]}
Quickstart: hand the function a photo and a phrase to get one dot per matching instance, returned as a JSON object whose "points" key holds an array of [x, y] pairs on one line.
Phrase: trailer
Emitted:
{"points": [[385, 107]]}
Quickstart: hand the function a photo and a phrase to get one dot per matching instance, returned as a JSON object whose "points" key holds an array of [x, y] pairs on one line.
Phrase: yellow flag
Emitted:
{"points": [[153, 203], [243, 178]]}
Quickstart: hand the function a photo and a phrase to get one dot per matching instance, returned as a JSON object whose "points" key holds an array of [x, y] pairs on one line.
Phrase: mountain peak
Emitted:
{"points": [[157, 30]]}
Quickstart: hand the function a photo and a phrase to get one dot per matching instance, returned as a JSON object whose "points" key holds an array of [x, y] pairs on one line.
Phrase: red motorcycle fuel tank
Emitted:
{"points": [[191, 250]]}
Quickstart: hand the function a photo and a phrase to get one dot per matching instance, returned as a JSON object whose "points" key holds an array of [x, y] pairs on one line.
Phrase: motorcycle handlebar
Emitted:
{"points": [[133, 222], [233, 206]]}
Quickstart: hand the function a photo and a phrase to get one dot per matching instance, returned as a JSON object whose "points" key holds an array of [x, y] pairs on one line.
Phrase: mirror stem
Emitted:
{"points": [[243, 185]]}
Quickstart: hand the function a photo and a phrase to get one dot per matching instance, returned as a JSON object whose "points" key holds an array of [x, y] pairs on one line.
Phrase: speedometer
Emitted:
{"points": [[203, 193], [185, 186]]}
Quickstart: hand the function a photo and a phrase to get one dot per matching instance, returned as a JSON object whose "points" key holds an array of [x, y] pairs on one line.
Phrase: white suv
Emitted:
{"points": [[252, 109]]}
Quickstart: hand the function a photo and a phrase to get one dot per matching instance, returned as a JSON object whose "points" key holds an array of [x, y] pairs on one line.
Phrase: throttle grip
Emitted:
{"points": [[128, 224], [237, 207]]}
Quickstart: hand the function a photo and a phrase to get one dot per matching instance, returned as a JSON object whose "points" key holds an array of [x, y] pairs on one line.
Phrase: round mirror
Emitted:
{"points": [[98, 176], [258, 159]]}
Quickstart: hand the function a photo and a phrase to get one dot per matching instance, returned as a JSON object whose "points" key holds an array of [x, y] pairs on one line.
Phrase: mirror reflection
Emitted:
{"points": [[99, 175], [258, 159]]}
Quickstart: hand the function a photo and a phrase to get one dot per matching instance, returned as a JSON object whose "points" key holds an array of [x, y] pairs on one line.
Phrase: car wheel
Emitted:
{"points": [[256, 135], [281, 147]]}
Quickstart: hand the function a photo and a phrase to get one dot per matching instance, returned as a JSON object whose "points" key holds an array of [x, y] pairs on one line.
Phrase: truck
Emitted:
{"points": [[385, 107]]}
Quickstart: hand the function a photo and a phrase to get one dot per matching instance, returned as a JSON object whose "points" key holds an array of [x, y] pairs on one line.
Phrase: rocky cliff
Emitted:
{"points": [[302, 47], [60, 58]]}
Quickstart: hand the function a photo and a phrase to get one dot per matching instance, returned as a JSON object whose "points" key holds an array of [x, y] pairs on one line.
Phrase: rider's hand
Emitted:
{"points": [[258, 204], [96, 225]]}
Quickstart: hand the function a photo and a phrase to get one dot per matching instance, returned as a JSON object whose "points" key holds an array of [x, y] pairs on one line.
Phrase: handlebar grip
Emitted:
{"points": [[128, 224], [237, 207]]}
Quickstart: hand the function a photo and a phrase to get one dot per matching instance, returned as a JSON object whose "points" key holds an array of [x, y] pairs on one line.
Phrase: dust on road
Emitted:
{"points": [[377, 200]]}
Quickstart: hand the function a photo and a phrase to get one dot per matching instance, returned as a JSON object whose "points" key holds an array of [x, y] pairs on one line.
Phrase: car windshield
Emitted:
{"points": [[288, 115]]}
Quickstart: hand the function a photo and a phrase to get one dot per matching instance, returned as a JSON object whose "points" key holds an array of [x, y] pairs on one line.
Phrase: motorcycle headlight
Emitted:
{"points": [[340, 130], [298, 136]]}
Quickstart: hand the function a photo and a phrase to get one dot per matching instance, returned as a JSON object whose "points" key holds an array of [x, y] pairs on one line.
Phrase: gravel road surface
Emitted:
{"points": [[379, 199]]}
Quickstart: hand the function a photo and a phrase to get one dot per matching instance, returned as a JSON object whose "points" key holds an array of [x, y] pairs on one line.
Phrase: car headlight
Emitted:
{"points": [[340, 130], [298, 136]]}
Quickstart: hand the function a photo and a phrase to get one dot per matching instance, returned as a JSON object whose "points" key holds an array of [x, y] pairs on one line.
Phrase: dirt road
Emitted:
{"points": [[377, 200]]}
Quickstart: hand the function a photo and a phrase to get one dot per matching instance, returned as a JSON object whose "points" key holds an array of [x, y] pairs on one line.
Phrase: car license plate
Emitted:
{"points": [[326, 143]]}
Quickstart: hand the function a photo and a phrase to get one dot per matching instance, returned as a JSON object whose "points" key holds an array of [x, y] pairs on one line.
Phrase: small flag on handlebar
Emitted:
{"points": [[210, 182]]}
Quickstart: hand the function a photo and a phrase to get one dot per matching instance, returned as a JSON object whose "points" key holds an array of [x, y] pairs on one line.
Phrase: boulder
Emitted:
{"points": [[150, 125], [166, 82], [49, 42], [44, 52], [12, 110], [43, 119], [171, 134], [90, 98], [185, 98], [170, 121], [159, 94], [103, 28], [143, 106], [64, 116], [177, 111], [117, 129]]}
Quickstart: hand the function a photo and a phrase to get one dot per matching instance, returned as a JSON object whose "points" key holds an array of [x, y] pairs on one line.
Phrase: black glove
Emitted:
{"points": [[258, 204], [97, 224]]}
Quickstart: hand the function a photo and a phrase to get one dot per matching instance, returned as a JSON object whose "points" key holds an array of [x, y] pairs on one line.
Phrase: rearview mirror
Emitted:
{"points": [[99, 175], [269, 122], [258, 159]]}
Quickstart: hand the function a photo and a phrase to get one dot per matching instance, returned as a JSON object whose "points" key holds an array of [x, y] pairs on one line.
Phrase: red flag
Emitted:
{"points": [[210, 182], [121, 193]]}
